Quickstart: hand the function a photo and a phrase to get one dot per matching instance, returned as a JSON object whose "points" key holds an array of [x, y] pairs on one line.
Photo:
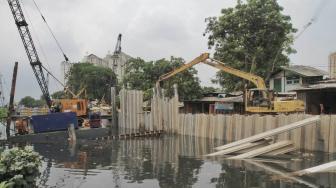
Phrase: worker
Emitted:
{"points": [[321, 109], [52, 107]]}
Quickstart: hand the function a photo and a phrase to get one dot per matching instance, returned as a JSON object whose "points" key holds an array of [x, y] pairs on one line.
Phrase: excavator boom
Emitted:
{"points": [[256, 80], [197, 60], [204, 58]]}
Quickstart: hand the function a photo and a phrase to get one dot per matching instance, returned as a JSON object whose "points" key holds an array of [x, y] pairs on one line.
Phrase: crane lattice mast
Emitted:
{"points": [[29, 46]]}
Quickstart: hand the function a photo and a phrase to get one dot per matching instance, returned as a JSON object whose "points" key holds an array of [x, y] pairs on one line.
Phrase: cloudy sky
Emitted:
{"points": [[151, 29]]}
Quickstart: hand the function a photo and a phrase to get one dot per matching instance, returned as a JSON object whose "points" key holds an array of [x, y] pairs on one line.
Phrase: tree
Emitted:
{"points": [[143, 75], [209, 89], [254, 36], [30, 102], [97, 80], [58, 95]]}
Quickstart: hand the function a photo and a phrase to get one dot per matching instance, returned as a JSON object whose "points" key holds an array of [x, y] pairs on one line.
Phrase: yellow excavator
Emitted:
{"points": [[257, 100]]}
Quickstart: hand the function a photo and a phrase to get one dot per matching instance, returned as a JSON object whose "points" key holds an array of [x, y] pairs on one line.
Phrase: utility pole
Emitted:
{"points": [[114, 122], [2, 95], [11, 100]]}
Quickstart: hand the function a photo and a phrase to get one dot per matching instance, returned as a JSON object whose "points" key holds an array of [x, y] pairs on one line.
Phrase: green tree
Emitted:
{"points": [[143, 75], [58, 95], [209, 89], [30, 102], [97, 80], [254, 36], [27, 101]]}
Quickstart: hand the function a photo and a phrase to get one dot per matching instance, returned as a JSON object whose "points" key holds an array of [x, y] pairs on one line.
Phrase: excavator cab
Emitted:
{"points": [[259, 98]]}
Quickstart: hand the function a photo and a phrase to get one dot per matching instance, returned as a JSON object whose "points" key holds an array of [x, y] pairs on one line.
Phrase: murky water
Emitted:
{"points": [[168, 162]]}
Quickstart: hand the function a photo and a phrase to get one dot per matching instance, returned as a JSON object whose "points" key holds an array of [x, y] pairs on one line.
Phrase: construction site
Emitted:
{"points": [[121, 121]]}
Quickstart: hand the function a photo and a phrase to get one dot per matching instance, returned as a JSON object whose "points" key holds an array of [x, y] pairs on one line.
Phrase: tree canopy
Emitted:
{"points": [[30, 102], [143, 75], [97, 80], [254, 36], [59, 95]]}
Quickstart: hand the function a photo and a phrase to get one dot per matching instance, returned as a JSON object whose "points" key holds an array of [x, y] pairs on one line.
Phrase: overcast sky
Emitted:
{"points": [[151, 29]]}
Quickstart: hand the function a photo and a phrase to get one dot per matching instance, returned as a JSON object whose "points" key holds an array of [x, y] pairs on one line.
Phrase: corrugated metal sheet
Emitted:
{"points": [[317, 87], [305, 70], [226, 99]]}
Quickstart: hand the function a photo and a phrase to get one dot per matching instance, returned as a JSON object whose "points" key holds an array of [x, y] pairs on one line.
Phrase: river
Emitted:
{"points": [[169, 161]]}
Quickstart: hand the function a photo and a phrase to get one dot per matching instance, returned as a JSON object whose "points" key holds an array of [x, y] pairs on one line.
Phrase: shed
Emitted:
{"points": [[319, 97]]}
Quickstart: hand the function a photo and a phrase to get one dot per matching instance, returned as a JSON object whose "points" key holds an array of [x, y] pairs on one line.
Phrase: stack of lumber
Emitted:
{"points": [[260, 144]]}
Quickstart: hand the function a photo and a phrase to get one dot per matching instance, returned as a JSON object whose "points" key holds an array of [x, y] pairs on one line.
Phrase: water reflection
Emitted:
{"points": [[167, 162]]}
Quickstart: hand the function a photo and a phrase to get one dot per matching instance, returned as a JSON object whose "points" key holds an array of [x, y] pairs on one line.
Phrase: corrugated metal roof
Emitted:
{"points": [[317, 87], [226, 99], [305, 70]]}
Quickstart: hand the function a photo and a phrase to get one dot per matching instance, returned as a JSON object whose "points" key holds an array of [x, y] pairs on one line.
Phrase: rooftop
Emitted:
{"points": [[326, 84], [237, 99], [305, 71]]}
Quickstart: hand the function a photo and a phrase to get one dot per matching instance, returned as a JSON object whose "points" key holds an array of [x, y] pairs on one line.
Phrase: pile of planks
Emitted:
{"points": [[260, 144]]}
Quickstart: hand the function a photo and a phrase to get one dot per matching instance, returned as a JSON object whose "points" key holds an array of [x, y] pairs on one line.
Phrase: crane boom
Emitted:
{"points": [[117, 49], [29, 46]]}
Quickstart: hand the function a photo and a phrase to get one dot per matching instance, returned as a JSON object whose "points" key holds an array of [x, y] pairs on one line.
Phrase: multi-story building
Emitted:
{"points": [[332, 65], [116, 62]]}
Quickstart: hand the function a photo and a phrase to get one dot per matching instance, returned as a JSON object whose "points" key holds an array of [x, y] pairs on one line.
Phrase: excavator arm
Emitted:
{"points": [[184, 67], [204, 58], [256, 80]]}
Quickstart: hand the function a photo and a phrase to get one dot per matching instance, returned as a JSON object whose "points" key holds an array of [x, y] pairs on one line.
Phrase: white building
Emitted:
{"points": [[115, 62], [332, 65]]}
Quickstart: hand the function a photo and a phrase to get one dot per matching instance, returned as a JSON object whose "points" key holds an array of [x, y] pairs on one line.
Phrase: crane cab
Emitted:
{"points": [[79, 106]]}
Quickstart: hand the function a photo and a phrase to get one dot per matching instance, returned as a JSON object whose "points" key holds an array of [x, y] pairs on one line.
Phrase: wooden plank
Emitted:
{"points": [[229, 127], [258, 124], [248, 123], [273, 132], [263, 150], [296, 134], [238, 127], [332, 135], [238, 148], [280, 151], [327, 167], [282, 173]]}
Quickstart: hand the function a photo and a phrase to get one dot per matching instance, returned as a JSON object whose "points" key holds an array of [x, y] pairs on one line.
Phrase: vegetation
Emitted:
{"points": [[97, 80], [58, 95], [30, 102], [252, 34], [3, 113], [19, 167], [143, 75]]}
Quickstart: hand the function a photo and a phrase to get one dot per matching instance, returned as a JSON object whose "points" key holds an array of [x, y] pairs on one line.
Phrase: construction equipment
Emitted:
{"points": [[29, 46], [257, 100], [117, 49], [79, 106]]}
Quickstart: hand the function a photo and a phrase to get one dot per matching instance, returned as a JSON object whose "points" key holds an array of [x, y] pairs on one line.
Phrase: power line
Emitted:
{"points": [[35, 36], [51, 32], [315, 17]]}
